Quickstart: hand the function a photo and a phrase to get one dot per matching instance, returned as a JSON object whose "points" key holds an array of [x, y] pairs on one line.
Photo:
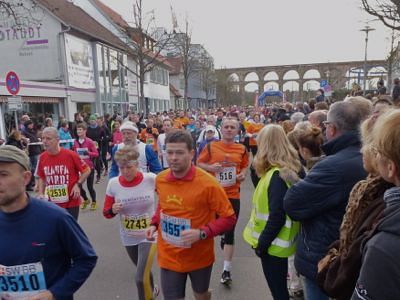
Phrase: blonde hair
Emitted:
{"points": [[287, 126], [386, 134], [126, 154], [275, 150], [368, 150], [312, 139]]}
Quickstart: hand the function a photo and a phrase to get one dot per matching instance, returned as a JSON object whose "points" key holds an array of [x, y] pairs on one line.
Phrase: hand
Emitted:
{"points": [[46, 295], [261, 252], [323, 263], [240, 177], [116, 208], [215, 167], [190, 236], [42, 196], [151, 232], [76, 191]]}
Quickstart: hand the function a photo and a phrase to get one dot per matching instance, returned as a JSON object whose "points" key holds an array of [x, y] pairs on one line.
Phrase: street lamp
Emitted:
{"points": [[366, 29]]}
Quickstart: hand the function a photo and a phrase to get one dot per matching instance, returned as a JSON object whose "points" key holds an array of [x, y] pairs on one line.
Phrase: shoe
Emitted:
{"points": [[97, 180], [156, 291], [93, 206], [85, 204], [226, 278]]}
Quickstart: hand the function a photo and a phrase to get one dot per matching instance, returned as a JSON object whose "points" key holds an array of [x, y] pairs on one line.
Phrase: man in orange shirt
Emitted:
{"points": [[228, 162], [189, 200], [149, 134], [183, 119]]}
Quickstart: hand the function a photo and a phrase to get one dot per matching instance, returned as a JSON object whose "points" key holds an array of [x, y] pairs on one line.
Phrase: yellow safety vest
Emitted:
{"points": [[284, 245]]}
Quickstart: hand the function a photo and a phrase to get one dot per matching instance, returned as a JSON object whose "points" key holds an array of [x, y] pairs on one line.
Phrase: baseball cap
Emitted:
{"points": [[128, 125], [210, 128], [93, 117], [11, 154]]}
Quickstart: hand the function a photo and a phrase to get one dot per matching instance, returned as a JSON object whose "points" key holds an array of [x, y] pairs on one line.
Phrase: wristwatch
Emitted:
{"points": [[203, 235]]}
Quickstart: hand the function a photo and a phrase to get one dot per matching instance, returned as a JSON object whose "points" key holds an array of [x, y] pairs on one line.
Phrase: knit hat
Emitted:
{"points": [[92, 117], [11, 154], [128, 125]]}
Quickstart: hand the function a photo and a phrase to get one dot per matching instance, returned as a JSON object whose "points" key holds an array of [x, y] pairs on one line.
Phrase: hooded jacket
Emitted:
{"points": [[319, 201], [380, 270]]}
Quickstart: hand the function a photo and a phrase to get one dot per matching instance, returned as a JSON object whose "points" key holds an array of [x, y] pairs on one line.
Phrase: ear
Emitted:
{"points": [[393, 172], [27, 177]]}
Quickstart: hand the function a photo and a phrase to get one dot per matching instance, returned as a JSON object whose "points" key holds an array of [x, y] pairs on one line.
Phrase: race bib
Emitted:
{"points": [[83, 153], [58, 193], [227, 177], [171, 229], [133, 225], [21, 281]]}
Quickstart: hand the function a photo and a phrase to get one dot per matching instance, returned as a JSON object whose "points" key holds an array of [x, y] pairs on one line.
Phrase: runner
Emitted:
{"points": [[228, 162], [87, 151], [44, 254], [148, 160], [131, 196], [60, 172], [189, 200], [162, 153]]}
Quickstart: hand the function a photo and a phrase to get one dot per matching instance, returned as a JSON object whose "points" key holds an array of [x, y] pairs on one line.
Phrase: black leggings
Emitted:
{"points": [[89, 183], [275, 271], [104, 151], [229, 237]]}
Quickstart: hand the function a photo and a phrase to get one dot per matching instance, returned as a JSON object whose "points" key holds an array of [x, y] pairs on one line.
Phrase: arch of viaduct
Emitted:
{"points": [[335, 72]]}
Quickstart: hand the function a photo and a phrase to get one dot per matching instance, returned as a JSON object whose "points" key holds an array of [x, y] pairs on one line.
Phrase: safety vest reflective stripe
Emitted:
{"points": [[277, 241], [265, 217]]}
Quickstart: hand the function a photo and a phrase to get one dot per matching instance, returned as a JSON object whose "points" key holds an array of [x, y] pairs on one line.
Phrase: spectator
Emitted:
{"points": [[396, 92], [319, 200]]}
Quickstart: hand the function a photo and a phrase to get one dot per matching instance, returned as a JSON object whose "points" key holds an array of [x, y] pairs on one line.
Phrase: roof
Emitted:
{"points": [[115, 17], [176, 63], [174, 91], [75, 17]]}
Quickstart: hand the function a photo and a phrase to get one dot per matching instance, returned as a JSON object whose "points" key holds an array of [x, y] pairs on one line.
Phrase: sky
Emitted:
{"points": [[271, 32]]}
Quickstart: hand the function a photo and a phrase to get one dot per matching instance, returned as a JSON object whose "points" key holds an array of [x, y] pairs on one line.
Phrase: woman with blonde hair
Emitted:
{"points": [[270, 231], [131, 196]]}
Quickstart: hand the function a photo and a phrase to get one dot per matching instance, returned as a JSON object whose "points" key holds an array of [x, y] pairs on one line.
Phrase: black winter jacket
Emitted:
{"points": [[319, 201]]}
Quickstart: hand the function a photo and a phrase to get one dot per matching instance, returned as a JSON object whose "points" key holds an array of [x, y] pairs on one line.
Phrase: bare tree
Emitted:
{"points": [[388, 11], [207, 75], [147, 47], [20, 13], [181, 43]]}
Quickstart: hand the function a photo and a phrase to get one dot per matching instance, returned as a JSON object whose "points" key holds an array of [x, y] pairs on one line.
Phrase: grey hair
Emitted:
{"points": [[345, 116], [297, 117], [52, 130], [363, 106]]}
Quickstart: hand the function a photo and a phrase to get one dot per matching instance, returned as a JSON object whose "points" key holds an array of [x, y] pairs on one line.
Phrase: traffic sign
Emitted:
{"points": [[323, 83], [14, 103], [12, 83]]}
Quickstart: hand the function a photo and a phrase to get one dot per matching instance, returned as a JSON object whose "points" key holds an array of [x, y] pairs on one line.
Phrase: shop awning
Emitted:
{"points": [[29, 99]]}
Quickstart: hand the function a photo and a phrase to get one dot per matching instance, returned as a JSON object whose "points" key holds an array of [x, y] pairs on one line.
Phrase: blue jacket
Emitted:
{"points": [[65, 135], [319, 201], [153, 163]]}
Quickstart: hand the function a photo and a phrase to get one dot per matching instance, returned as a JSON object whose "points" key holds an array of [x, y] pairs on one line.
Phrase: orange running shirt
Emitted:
{"points": [[196, 199], [233, 157], [254, 128]]}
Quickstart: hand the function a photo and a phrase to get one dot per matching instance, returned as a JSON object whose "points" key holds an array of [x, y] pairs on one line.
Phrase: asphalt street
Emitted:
{"points": [[113, 277]]}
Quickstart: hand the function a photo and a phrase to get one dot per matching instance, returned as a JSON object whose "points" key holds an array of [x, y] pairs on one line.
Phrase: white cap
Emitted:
{"points": [[128, 125], [210, 128]]}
